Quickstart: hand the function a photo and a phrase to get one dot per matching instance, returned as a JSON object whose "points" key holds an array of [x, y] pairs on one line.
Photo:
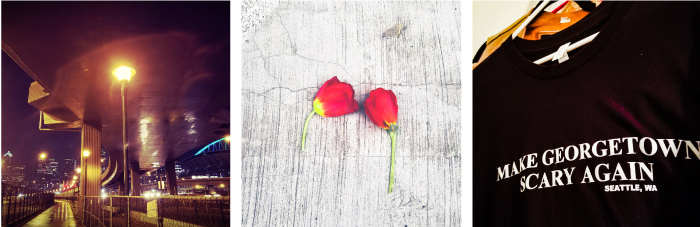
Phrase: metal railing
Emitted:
{"points": [[199, 210], [19, 202], [162, 211]]}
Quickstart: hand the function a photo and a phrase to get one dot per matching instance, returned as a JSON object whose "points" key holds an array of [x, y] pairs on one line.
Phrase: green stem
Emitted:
{"points": [[303, 138], [393, 154]]}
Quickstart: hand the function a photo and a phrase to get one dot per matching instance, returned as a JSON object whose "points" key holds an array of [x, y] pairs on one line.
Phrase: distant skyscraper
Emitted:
{"points": [[18, 172], [69, 166], [41, 167], [52, 169]]}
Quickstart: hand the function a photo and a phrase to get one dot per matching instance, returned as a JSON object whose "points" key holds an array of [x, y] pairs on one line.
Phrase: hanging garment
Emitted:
{"points": [[550, 23], [610, 137], [546, 24]]}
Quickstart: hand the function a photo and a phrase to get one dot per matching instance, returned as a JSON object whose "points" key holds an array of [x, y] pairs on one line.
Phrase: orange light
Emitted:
{"points": [[124, 73], [42, 155], [78, 170], [86, 153]]}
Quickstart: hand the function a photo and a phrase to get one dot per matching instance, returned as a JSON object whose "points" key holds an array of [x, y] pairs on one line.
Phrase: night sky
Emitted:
{"points": [[20, 122]]}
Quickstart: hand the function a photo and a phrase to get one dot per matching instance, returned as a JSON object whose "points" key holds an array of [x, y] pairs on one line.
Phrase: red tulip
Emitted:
{"points": [[334, 99], [382, 109]]}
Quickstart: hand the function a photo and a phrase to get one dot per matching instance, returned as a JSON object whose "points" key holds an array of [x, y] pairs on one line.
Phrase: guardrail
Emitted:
{"points": [[149, 211], [19, 203]]}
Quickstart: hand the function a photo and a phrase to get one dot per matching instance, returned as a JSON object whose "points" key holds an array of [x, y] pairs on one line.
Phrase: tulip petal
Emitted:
{"points": [[335, 92], [333, 80], [374, 115], [389, 109], [376, 92], [338, 108]]}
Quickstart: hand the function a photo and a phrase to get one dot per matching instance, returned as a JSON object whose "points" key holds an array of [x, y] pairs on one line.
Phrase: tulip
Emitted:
{"points": [[382, 110], [334, 99]]}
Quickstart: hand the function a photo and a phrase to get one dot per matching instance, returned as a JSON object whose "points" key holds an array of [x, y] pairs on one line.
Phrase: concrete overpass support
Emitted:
{"points": [[171, 177], [135, 179], [91, 141]]}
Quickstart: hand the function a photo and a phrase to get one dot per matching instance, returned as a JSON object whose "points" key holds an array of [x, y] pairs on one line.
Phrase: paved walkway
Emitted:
{"points": [[59, 214]]}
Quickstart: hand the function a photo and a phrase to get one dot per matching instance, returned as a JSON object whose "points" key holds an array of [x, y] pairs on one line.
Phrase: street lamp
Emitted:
{"points": [[86, 153], [78, 170], [124, 74], [42, 156]]}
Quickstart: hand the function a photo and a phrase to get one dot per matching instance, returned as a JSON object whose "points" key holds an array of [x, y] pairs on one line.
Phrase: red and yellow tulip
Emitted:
{"points": [[382, 109], [334, 99]]}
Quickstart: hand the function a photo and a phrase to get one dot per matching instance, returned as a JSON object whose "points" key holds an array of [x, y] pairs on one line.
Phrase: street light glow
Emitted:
{"points": [[86, 153], [42, 155], [124, 73], [78, 170], [75, 177]]}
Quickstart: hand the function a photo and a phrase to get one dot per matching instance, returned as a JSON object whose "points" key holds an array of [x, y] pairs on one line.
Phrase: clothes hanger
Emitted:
{"points": [[554, 8], [560, 55], [554, 18]]}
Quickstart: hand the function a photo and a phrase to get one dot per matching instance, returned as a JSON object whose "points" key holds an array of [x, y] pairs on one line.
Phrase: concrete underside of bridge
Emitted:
{"points": [[178, 100]]}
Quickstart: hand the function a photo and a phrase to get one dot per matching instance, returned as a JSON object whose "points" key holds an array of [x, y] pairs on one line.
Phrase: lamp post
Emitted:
{"points": [[86, 153], [124, 74]]}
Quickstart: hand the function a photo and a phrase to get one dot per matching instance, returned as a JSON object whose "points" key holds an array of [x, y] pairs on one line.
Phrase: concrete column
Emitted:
{"points": [[171, 177], [91, 140], [135, 179], [90, 182]]}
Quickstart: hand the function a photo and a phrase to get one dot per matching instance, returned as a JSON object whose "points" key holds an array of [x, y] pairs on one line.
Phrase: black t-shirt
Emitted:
{"points": [[610, 137]]}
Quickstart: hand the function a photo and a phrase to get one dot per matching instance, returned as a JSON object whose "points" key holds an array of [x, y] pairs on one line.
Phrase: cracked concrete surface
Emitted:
{"points": [[341, 178]]}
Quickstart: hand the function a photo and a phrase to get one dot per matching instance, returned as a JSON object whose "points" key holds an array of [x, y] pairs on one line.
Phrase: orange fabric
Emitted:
{"points": [[551, 23]]}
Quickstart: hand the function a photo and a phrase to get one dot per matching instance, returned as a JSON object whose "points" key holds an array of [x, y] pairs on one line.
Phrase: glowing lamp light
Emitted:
{"points": [[228, 138], [222, 185], [75, 177], [86, 153], [78, 170], [42, 155], [124, 73]]}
